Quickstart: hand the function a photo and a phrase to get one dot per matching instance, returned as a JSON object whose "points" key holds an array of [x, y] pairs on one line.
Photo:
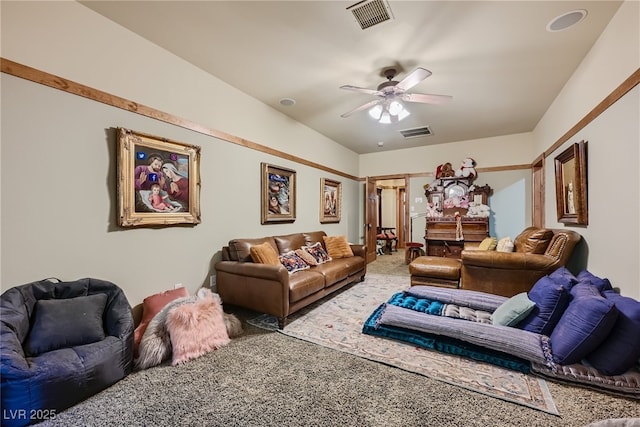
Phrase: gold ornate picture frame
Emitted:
{"points": [[278, 194], [158, 181], [571, 185], [330, 200]]}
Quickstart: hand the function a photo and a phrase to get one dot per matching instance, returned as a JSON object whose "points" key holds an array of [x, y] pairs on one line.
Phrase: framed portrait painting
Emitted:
{"points": [[571, 185], [330, 200], [158, 181], [278, 194]]}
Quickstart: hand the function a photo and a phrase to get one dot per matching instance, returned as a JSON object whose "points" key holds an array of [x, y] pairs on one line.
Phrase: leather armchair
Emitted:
{"points": [[537, 252]]}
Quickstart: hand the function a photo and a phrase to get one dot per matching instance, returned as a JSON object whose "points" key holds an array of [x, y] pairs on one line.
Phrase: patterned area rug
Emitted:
{"points": [[337, 323]]}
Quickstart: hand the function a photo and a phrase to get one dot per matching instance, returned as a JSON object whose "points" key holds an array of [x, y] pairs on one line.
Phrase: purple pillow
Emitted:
{"points": [[551, 300], [601, 284], [563, 277], [620, 350], [584, 325]]}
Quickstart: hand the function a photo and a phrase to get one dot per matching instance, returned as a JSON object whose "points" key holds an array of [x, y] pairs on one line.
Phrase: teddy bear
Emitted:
{"points": [[467, 169], [444, 170], [478, 210]]}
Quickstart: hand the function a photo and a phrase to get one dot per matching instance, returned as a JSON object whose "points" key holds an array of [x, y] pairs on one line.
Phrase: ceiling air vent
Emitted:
{"points": [[416, 132], [371, 12]]}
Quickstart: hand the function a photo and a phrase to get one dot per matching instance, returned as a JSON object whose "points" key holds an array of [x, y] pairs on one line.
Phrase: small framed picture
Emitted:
{"points": [[158, 181], [571, 185], [278, 194], [330, 200]]}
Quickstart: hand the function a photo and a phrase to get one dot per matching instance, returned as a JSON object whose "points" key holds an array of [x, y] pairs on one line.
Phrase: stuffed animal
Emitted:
{"points": [[444, 170], [467, 169]]}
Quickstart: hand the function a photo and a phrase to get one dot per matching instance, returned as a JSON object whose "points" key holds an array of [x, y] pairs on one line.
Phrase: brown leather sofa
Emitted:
{"points": [[537, 252], [270, 288]]}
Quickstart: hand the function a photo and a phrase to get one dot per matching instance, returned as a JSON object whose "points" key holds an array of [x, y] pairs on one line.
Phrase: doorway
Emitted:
{"points": [[387, 208]]}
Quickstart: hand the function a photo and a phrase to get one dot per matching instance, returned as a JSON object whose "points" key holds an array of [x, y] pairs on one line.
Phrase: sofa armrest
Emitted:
{"points": [[251, 269], [359, 250], [508, 260]]}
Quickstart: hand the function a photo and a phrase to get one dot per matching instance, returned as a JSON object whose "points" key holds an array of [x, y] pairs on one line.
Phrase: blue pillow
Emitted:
{"points": [[563, 277], [551, 300], [601, 284], [620, 350], [584, 325]]}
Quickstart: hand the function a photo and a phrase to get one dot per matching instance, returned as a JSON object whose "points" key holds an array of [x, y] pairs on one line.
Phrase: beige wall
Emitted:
{"points": [[612, 238], [58, 157]]}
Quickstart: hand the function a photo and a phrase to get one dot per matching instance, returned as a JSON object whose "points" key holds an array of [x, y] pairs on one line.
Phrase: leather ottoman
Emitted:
{"points": [[435, 271]]}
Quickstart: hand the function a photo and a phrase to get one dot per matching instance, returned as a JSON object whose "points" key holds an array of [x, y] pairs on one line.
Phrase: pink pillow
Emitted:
{"points": [[151, 306], [196, 329]]}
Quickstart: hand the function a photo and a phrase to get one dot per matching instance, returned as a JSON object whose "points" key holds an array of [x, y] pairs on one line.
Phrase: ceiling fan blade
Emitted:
{"points": [[413, 78], [362, 90], [426, 98], [362, 107]]}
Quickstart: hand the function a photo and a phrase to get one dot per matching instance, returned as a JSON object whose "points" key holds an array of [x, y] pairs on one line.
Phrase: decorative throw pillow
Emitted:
{"points": [[151, 306], [306, 256], [505, 245], [488, 244], [620, 350], [264, 254], [155, 345], [551, 300], [601, 284], [585, 324], [337, 246], [317, 251], [513, 310], [60, 323], [292, 262], [196, 329], [563, 277]]}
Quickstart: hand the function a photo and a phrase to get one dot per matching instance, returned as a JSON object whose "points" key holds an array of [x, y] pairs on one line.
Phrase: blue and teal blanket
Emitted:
{"points": [[442, 326]]}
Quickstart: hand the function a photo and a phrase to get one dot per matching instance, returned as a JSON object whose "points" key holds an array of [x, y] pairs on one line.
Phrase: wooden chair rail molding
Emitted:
{"points": [[28, 73], [25, 72]]}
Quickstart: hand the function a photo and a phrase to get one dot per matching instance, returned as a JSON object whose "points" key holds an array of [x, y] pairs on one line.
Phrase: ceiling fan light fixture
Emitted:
{"points": [[389, 112], [376, 112]]}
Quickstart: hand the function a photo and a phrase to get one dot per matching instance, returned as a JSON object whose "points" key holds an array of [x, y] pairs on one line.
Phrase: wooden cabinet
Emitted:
{"points": [[440, 235]]}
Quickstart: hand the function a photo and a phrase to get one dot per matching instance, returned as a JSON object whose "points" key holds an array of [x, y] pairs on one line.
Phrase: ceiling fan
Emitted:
{"points": [[387, 107]]}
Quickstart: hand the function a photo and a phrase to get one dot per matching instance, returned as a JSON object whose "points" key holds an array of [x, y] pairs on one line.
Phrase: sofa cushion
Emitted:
{"points": [[488, 244], [292, 262], [60, 323], [317, 252], [621, 349], [583, 326], [504, 245], [240, 249], [563, 277], [304, 283], [513, 310], [551, 300], [601, 284], [151, 306], [307, 257], [337, 246], [264, 254], [533, 241], [289, 242]]}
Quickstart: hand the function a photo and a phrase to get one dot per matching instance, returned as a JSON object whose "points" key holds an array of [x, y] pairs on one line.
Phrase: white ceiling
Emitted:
{"points": [[496, 58]]}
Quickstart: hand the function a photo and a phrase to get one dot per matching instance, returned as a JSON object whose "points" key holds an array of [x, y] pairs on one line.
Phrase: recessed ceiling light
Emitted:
{"points": [[287, 102], [380, 143], [566, 20]]}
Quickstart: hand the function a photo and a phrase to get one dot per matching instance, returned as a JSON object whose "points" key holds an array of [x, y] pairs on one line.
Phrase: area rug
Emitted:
{"points": [[337, 323]]}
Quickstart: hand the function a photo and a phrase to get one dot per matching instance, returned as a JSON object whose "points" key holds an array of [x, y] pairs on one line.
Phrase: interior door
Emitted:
{"points": [[370, 220]]}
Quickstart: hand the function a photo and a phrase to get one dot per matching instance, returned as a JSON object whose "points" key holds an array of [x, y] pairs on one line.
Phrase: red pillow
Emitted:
{"points": [[151, 306]]}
